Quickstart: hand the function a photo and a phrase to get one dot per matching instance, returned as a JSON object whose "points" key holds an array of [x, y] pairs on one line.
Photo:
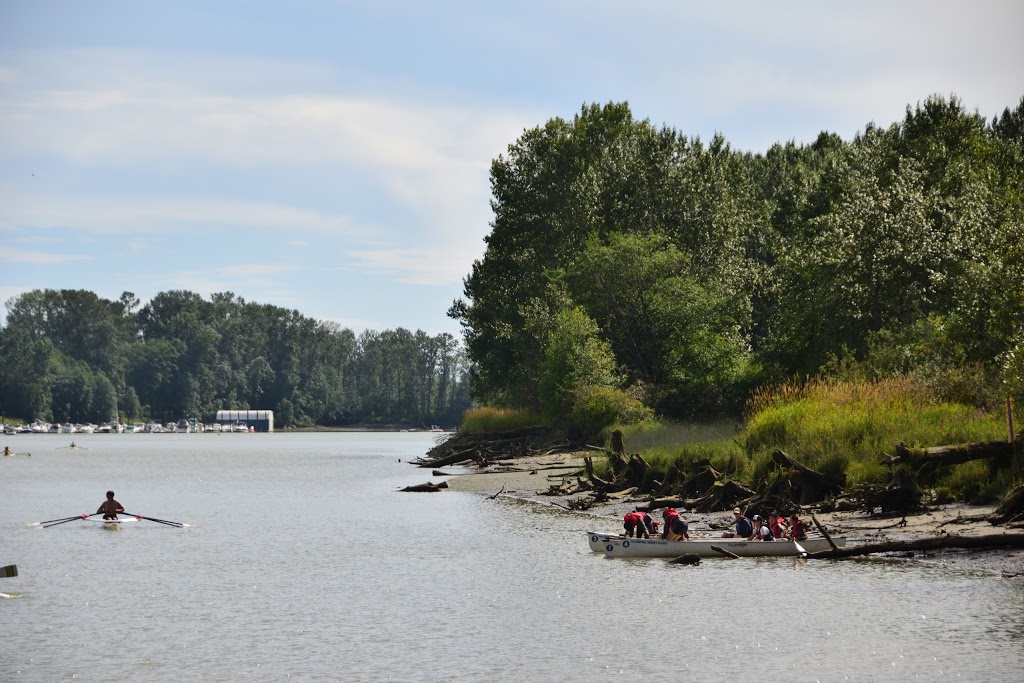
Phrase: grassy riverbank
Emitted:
{"points": [[837, 427]]}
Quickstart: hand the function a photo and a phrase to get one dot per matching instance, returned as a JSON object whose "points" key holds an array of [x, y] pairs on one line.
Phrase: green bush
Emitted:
{"points": [[595, 407]]}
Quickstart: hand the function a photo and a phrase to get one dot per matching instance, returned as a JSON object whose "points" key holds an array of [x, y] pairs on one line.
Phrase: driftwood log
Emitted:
{"points": [[935, 543], [725, 553], [428, 487], [483, 449], [924, 462]]}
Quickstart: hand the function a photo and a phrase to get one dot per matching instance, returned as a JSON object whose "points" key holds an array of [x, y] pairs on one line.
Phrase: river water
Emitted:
{"points": [[306, 564]]}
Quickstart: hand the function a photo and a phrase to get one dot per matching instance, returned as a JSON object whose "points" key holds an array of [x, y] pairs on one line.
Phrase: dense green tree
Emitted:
{"points": [[706, 269], [575, 356]]}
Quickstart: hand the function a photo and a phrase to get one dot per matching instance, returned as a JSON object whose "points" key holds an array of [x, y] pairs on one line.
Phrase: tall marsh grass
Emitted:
{"points": [[836, 427], [485, 419], [859, 421]]}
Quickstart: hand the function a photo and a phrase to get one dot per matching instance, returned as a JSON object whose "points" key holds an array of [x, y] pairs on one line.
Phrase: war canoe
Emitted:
{"points": [[702, 547]]}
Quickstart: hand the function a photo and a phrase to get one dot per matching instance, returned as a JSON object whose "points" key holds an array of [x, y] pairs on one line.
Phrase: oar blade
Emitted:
{"points": [[9, 571]]}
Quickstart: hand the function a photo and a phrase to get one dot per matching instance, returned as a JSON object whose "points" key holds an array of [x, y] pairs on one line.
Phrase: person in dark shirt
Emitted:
{"points": [[744, 527]]}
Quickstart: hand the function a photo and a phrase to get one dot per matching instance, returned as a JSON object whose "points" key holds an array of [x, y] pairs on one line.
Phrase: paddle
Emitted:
{"points": [[59, 521], [9, 571], [799, 548], [159, 521]]}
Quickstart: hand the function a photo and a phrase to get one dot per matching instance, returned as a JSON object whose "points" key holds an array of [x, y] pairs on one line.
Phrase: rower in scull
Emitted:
{"points": [[110, 507]]}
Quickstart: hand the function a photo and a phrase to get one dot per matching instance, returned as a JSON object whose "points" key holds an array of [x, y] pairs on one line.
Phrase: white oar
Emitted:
{"points": [[799, 548], [160, 521]]}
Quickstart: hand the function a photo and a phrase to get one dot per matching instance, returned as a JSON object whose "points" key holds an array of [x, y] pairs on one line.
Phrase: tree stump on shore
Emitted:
{"points": [[809, 486], [1011, 510]]}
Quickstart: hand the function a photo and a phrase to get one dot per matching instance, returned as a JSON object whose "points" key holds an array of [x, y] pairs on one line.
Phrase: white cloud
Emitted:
{"points": [[41, 258], [131, 216], [418, 266]]}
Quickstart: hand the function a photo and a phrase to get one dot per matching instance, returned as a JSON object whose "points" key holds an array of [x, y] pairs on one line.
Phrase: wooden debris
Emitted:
{"points": [[429, 487], [483, 449], [935, 543], [925, 461], [1011, 510], [808, 486], [719, 549], [824, 533]]}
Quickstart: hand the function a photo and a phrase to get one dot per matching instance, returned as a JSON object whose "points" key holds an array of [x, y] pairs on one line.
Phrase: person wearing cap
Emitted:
{"points": [[676, 528], [762, 532], [744, 527]]}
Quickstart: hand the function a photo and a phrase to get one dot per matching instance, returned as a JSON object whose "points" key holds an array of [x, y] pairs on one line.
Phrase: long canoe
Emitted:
{"points": [[702, 547]]}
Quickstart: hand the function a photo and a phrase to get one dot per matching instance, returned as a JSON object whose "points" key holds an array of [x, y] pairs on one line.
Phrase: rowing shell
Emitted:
{"points": [[112, 523]]}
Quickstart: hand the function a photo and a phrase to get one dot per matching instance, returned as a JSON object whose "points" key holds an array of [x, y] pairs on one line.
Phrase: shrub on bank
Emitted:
{"points": [[595, 407]]}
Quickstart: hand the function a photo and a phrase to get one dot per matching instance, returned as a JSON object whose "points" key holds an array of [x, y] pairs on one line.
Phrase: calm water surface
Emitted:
{"points": [[306, 565]]}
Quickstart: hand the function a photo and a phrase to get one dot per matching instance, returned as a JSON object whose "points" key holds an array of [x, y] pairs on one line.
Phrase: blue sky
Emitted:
{"points": [[333, 157]]}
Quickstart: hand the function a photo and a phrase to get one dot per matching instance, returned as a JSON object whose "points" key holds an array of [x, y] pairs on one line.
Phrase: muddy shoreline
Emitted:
{"points": [[528, 478]]}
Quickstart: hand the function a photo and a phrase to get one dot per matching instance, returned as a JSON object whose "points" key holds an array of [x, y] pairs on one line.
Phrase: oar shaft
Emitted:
{"points": [[47, 526], [154, 519], [53, 522]]}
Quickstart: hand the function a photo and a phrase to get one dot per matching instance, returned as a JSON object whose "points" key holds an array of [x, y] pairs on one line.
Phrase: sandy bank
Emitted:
{"points": [[527, 479]]}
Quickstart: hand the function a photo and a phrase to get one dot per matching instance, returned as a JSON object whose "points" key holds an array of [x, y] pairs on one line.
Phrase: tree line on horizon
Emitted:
{"points": [[70, 355], [632, 270]]}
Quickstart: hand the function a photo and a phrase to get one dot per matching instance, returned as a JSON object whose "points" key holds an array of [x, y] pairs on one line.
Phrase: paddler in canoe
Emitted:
{"points": [[110, 507]]}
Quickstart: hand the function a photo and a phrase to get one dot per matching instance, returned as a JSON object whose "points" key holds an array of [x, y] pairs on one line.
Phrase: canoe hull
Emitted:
{"points": [[642, 547], [598, 541]]}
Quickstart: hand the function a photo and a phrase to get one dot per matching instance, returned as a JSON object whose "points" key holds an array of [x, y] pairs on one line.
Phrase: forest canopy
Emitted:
{"points": [[69, 355], [693, 273]]}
